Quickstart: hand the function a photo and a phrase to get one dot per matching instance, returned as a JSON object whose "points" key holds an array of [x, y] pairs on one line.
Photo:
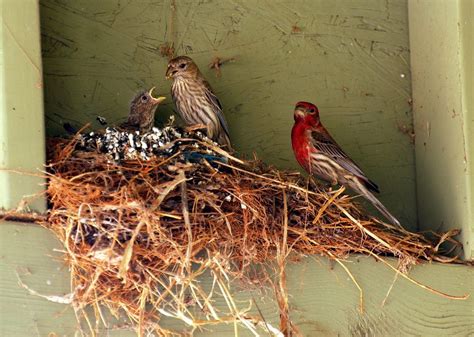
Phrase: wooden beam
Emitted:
{"points": [[441, 34], [323, 300], [21, 105]]}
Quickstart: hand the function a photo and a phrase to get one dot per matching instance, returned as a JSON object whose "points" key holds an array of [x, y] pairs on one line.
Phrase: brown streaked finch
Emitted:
{"points": [[195, 101], [319, 154]]}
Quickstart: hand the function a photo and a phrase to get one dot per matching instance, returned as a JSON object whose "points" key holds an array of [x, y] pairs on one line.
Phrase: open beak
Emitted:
{"points": [[156, 100]]}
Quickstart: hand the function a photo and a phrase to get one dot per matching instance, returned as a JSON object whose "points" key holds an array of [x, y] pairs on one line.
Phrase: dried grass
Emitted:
{"points": [[139, 235]]}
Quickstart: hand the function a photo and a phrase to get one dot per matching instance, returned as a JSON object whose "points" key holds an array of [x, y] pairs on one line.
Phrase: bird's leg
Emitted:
{"points": [[308, 183], [333, 187]]}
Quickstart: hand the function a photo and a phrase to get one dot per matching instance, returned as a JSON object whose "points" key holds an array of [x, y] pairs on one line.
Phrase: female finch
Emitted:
{"points": [[319, 154], [195, 101]]}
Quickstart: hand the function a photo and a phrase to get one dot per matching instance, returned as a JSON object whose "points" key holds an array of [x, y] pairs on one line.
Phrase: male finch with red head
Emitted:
{"points": [[319, 154], [195, 100]]}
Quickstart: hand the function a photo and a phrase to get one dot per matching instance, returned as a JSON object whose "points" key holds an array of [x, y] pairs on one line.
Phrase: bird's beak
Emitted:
{"points": [[156, 100], [299, 113], [168, 74]]}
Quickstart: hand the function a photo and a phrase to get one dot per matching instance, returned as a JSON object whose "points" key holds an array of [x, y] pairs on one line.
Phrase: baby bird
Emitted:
{"points": [[142, 111], [195, 101]]}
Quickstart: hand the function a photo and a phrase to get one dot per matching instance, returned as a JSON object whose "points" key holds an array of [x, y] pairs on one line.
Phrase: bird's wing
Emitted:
{"points": [[217, 105], [325, 144], [133, 119]]}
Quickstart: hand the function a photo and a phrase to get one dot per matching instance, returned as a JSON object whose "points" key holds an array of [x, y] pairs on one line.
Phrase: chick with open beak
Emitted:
{"points": [[142, 111]]}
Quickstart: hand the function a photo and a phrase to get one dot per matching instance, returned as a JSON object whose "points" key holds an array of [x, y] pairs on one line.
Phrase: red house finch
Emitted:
{"points": [[142, 111], [195, 100], [319, 154]]}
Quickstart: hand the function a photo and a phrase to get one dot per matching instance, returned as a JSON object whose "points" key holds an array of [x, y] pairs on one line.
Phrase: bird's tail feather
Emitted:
{"points": [[358, 187]]}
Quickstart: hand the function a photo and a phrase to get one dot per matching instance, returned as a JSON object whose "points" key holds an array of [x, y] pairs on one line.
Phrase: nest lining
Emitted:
{"points": [[139, 231]]}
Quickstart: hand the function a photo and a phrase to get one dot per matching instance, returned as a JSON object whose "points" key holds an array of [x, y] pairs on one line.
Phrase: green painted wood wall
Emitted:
{"points": [[350, 58], [21, 104], [443, 94]]}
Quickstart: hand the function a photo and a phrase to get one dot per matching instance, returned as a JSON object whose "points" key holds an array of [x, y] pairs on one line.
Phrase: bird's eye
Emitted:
{"points": [[182, 65], [311, 110], [144, 98]]}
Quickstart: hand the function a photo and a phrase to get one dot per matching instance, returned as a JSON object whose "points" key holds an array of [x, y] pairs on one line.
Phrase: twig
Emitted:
{"points": [[395, 277], [23, 217], [421, 285], [217, 63], [187, 222]]}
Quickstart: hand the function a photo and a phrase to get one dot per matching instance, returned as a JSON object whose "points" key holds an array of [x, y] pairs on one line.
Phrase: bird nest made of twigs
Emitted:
{"points": [[139, 232]]}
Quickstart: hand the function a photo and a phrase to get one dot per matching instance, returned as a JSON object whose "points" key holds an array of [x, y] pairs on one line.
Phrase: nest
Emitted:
{"points": [[139, 234]]}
